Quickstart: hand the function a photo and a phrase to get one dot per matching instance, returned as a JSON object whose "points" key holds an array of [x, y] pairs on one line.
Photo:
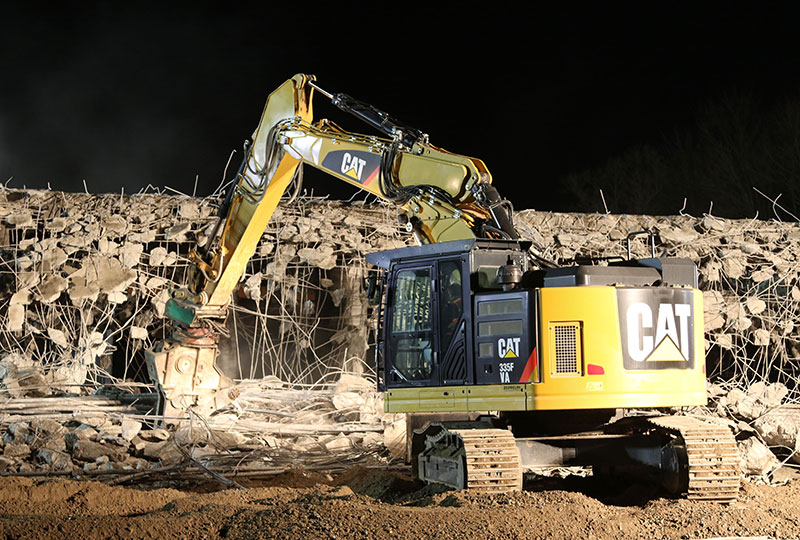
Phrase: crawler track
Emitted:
{"points": [[492, 458], [712, 455], [484, 460]]}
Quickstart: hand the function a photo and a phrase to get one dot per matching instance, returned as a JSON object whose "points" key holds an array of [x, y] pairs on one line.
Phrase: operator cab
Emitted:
{"points": [[446, 318], [462, 312]]}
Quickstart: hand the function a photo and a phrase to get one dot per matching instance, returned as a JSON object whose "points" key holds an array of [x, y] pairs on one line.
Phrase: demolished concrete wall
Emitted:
{"points": [[85, 278]]}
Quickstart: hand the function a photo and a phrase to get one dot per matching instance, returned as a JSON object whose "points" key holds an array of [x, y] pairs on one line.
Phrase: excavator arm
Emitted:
{"points": [[442, 196]]}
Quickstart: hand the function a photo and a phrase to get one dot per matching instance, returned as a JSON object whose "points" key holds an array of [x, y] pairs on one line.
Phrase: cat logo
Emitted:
{"points": [[508, 347], [352, 166], [667, 341], [657, 328], [358, 166]]}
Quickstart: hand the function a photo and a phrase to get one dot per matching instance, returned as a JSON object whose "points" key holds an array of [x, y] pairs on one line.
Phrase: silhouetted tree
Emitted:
{"points": [[737, 145]]}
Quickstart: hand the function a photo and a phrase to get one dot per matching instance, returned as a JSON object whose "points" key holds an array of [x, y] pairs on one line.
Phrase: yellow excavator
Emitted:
{"points": [[502, 361]]}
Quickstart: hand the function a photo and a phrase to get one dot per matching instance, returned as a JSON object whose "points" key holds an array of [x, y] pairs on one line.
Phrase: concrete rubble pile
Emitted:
{"points": [[766, 424], [270, 427], [85, 279]]}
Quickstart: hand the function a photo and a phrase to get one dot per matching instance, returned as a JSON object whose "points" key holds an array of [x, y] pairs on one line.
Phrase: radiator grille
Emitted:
{"points": [[565, 340]]}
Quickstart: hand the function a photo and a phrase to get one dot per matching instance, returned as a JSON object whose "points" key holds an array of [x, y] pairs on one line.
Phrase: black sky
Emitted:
{"points": [[129, 97]]}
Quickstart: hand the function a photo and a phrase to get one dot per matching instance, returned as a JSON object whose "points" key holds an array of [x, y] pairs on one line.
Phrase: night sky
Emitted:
{"points": [[123, 97]]}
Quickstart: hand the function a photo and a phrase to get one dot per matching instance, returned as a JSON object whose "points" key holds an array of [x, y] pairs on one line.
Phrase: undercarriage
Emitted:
{"points": [[684, 455]]}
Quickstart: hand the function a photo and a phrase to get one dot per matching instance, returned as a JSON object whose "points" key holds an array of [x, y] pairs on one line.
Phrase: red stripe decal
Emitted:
{"points": [[592, 369], [372, 176], [529, 367]]}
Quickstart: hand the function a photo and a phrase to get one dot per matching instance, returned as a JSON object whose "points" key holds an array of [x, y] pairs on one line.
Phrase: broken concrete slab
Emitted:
{"points": [[755, 458], [780, 427], [87, 450], [15, 320], [57, 461], [16, 450], [158, 434], [167, 452]]}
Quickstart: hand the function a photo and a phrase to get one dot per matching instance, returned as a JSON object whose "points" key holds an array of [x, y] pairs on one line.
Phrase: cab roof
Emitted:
{"points": [[384, 259]]}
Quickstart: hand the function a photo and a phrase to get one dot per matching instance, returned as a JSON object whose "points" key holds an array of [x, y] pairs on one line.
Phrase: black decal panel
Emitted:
{"points": [[657, 328], [504, 336], [362, 167]]}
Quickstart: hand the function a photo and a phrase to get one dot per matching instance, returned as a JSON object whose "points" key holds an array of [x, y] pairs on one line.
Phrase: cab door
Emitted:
{"points": [[411, 343], [427, 328]]}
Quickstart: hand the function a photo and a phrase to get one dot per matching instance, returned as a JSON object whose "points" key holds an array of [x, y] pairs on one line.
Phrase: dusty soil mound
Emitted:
{"points": [[370, 504], [378, 484]]}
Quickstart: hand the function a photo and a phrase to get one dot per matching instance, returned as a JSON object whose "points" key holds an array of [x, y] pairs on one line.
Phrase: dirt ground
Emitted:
{"points": [[373, 504]]}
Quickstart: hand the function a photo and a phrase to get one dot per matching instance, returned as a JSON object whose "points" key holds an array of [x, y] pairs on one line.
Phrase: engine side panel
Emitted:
{"points": [[599, 370]]}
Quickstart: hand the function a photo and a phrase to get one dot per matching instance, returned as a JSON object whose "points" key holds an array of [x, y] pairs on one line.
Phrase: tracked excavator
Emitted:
{"points": [[502, 361]]}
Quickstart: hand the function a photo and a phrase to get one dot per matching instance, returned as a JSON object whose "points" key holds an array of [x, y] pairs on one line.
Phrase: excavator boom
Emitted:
{"points": [[445, 196]]}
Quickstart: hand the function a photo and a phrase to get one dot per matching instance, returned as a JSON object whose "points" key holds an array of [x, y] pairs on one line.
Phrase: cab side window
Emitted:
{"points": [[412, 329]]}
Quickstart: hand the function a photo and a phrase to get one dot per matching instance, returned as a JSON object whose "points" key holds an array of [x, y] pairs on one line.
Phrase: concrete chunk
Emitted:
{"points": [[16, 318], [53, 259], [137, 332], [106, 273], [58, 337], [167, 452], [130, 254], [17, 450], [130, 428], [86, 450], [51, 288], [176, 231], [157, 434], [252, 287], [22, 297], [20, 219], [340, 443], [756, 458], [45, 426], [58, 461], [755, 305], [323, 257]]}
